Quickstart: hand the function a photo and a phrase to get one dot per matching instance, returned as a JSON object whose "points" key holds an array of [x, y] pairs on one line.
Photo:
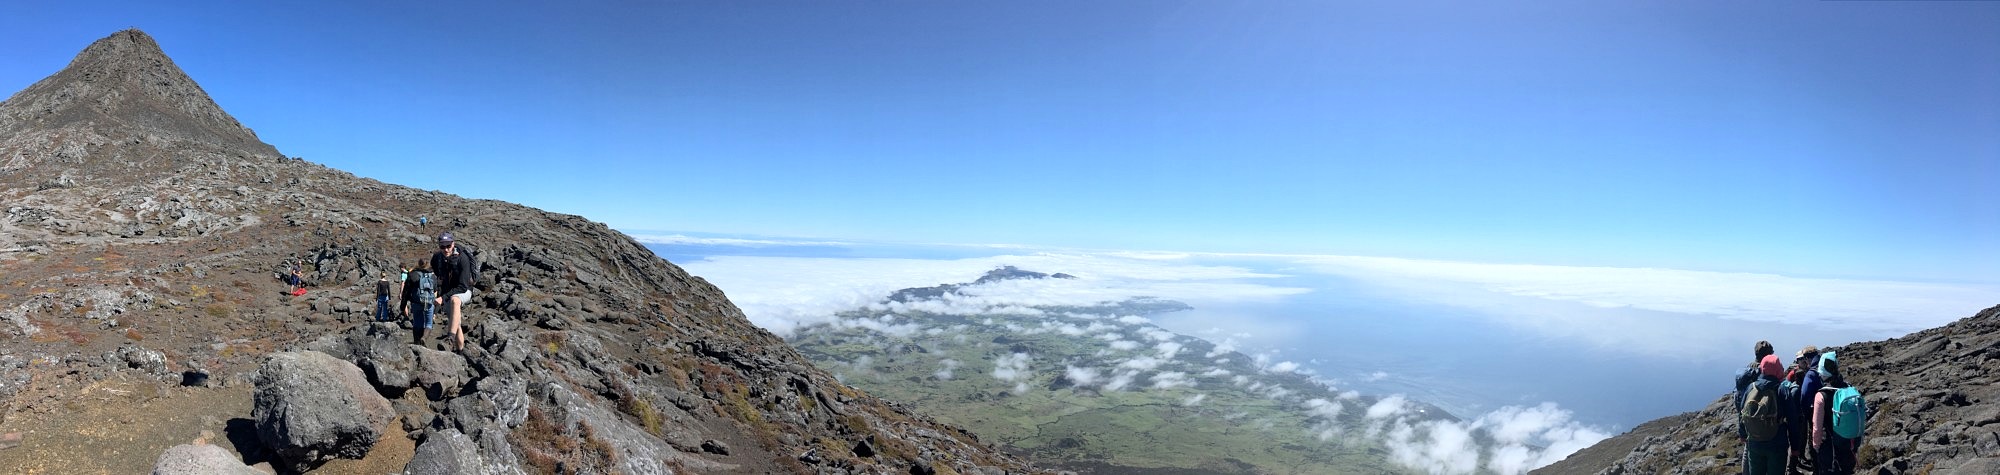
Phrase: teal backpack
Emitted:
{"points": [[1850, 413]]}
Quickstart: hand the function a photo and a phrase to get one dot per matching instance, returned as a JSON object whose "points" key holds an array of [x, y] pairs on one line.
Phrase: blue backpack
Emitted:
{"points": [[1850, 413], [426, 287]]}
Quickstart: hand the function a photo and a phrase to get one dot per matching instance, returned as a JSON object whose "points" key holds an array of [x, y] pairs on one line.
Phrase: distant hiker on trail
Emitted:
{"points": [[1744, 378], [1762, 420], [1839, 417], [419, 288], [382, 299], [454, 272], [423, 222], [297, 278]]}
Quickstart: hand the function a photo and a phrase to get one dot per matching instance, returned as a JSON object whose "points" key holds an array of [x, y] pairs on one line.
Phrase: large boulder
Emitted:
{"points": [[383, 354], [200, 459], [439, 373], [445, 453], [312, 407]]}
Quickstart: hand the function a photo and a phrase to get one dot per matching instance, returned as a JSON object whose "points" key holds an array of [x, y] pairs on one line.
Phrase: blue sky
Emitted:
{"points": [[1809, 138]]}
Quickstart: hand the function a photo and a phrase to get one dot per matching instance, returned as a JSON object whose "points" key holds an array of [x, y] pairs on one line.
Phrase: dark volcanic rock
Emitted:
{"points": [[1933, 407], [311, 407], [445, 453]]}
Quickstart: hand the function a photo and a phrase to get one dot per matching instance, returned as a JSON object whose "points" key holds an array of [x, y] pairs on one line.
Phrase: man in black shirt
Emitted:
{"points": [[455, 276]]}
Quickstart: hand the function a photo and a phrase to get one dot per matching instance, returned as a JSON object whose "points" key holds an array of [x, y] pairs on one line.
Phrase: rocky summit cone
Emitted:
{"points": [[140, 309], [125, 83]]}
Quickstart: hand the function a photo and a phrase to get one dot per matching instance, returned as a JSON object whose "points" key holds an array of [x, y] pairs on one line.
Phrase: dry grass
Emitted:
{"points": [[547, 448]]}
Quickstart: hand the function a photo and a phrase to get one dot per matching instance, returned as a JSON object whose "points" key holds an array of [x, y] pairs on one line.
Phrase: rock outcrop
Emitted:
{"points": [[448, 452], [311, 408], [1933, 408], [135, 210], [200, 459]]}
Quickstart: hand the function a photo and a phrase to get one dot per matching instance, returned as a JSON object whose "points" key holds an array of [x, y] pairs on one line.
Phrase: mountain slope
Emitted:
{"points": [[1933, 403], [142, 230]]}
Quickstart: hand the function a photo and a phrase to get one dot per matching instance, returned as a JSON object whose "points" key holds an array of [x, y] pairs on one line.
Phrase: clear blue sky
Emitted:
{"points": [[1815, 138]]}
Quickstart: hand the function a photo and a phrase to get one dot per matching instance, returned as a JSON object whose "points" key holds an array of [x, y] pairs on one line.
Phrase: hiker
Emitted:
{"points": [[454, 274], [382, 299], [1839, 417], [1744, 378], [297, 278], [1762, 420], [419, 287], [1799, 387]]}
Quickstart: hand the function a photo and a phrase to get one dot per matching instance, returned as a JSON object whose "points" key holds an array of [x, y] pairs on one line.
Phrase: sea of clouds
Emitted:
{"points": [[1643, 308]]}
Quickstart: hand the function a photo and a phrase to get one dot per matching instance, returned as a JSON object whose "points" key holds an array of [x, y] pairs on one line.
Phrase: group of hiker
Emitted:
{"points": [[1804, 418], [440, 284]]}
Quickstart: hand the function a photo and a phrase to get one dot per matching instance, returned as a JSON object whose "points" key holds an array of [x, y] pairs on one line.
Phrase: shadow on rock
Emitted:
{"points": [[242, 434]]}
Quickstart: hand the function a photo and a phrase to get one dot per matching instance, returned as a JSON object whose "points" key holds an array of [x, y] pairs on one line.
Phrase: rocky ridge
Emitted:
{"points": [[1933, 408], [142, 230]]}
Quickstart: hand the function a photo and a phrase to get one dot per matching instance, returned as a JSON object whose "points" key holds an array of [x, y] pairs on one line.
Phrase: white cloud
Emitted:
{"points": [[1170, 380], [1143, 363], [945, 372], [1227, 345], [1323, 408], [1012, 367], [1080, 376], [1376, 376], [1119, 381], [1216, 372], [1167, 349], [1282, 367], [1524, 438], [1194, 400], [1134, 320], [1388, 407], [885, 324], [1124, 345]]}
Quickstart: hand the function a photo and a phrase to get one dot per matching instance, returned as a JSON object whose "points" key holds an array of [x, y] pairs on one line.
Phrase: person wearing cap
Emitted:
{"points": [[1805, 378], [454, 273]]}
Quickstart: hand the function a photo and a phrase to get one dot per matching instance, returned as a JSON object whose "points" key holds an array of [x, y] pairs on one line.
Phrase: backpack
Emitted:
{"points": [[426, 287], [1760, 412], [472, 256], [1850, 413]]}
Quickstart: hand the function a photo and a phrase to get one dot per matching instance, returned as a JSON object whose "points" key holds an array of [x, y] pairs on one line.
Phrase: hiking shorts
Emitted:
{"points": [[462, 297]]}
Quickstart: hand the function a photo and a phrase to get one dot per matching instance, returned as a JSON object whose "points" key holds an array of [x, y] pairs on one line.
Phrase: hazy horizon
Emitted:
{"points": [[1697, 324]]}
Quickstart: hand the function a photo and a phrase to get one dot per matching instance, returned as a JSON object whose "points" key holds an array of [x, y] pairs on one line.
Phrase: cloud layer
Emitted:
{"points": [[783, 293], [1648, 310], [1871, 305]]}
